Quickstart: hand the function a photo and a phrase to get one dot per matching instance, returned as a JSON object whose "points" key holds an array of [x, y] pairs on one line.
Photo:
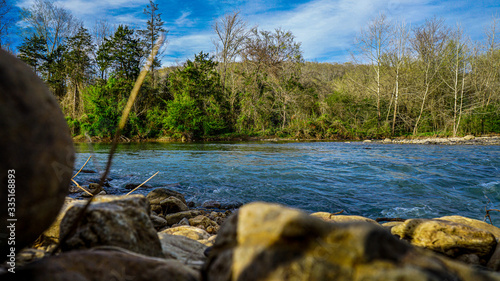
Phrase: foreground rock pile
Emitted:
{"points": [[159, 238]]}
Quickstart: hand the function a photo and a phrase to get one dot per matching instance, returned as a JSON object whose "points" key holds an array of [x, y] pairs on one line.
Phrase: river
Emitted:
{"points": [[367, 179]]}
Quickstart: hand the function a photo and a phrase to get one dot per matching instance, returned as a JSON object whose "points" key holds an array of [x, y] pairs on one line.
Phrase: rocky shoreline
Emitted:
{"points": [[467, 140], [158, 237]]}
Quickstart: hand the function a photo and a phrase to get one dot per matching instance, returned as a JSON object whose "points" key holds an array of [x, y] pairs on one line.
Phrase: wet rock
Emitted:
{"points": [[121, 221], [172, 205], [183, 249], [36, 151], [446, 237], [188, 231], [158, 195], [158, 222], [341, 218], [205, 223], [88, 265], [270, 242], [177, 217], [211, 204]]}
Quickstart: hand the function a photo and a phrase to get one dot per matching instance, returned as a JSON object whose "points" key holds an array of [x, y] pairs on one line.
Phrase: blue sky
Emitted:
{"points": [[326, 28]]}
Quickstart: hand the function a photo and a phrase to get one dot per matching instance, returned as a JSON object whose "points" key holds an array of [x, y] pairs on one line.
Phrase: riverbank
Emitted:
{"points": [[466, 140], [158, 236]]}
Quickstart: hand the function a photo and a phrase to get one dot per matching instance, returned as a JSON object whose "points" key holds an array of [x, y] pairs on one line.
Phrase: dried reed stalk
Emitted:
{"points": [[142, 184], [81, 187], [82, 167]]}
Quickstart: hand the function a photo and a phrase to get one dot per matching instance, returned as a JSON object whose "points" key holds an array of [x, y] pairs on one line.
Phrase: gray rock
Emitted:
{"points": [[177, 217], [121, 221], [183, 249], [89, 265], [36, 147]]}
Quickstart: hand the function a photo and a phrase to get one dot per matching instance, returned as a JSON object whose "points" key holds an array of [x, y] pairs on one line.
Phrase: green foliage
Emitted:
{"points": [[104, 104], [197, 109]]}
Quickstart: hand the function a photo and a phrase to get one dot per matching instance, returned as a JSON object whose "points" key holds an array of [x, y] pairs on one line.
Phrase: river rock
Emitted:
{"points": [[446, 237], [188, 231], [341, 218], [36, 151], [134, 185], [271, 242], [158, 222], [89, 265], [121, 221], [177, 217], [211, 204], [157, 195], [183, 249], [205, 223], [172, 205]]}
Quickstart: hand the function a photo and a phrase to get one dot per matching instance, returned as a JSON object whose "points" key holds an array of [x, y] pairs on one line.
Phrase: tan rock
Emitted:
{"points": [[204, 223], [270, 242], [474, 223], [450, 238], [341, 218], [391, 224], [188, 231]]}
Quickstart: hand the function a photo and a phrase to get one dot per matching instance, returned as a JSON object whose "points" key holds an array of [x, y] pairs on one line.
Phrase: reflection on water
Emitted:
{"points": [[384, 180]]}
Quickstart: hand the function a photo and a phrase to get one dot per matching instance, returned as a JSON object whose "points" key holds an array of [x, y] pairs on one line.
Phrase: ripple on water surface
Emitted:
{"points": [[372, 180]]}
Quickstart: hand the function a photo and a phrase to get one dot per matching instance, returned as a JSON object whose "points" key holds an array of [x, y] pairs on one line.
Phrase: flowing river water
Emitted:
{"points": [[367, 179]]}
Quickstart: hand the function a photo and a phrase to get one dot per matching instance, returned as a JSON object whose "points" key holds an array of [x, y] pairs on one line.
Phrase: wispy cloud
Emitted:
{"points": [[183, 20]]}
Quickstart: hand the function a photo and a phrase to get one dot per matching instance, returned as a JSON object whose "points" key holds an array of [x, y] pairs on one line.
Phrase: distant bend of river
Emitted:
{"points": [[367, 179]]}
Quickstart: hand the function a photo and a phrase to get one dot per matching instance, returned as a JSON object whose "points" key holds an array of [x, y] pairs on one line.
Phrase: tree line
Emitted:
{"points": [[427, 79]]}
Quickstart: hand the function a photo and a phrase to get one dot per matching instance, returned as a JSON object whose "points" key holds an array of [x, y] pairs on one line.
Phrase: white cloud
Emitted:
{"points": [[182, 47], [183, 19]]}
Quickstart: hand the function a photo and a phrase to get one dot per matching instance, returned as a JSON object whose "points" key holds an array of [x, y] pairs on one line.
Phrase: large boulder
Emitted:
{"points": [[89, 265], [270, 242], [121, 221], [449, 238], [36, 152]]}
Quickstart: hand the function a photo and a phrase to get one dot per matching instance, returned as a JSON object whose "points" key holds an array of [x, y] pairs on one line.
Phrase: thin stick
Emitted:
{"points": [[81, 187], [337, 213], [142, 183], [82, 167]]}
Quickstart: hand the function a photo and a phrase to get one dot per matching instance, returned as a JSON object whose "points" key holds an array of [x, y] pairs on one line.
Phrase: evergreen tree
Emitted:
{"points": [[152, 32], [123, 53], [33, 52]]}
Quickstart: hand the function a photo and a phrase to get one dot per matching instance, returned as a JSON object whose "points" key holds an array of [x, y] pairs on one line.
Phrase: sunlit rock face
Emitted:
{"points": [[36, 152]]}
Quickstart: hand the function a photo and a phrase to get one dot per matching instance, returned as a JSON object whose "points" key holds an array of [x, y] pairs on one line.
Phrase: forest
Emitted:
{"points": [[402, 81]]}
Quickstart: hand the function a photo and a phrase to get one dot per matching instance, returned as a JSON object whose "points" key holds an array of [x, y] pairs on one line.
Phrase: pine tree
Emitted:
{"points": [[152, 32]]}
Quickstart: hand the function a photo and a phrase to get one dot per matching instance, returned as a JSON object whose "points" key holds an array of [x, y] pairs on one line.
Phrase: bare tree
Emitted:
{"points": [[231, 34], [373, 44], [6, 21], [398, 57], [51, 22], [428, 44]]}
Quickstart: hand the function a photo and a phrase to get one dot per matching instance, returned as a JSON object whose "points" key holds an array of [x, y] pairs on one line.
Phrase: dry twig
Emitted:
{"points": [[82, 167], [142, 183], [77, 185]]}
